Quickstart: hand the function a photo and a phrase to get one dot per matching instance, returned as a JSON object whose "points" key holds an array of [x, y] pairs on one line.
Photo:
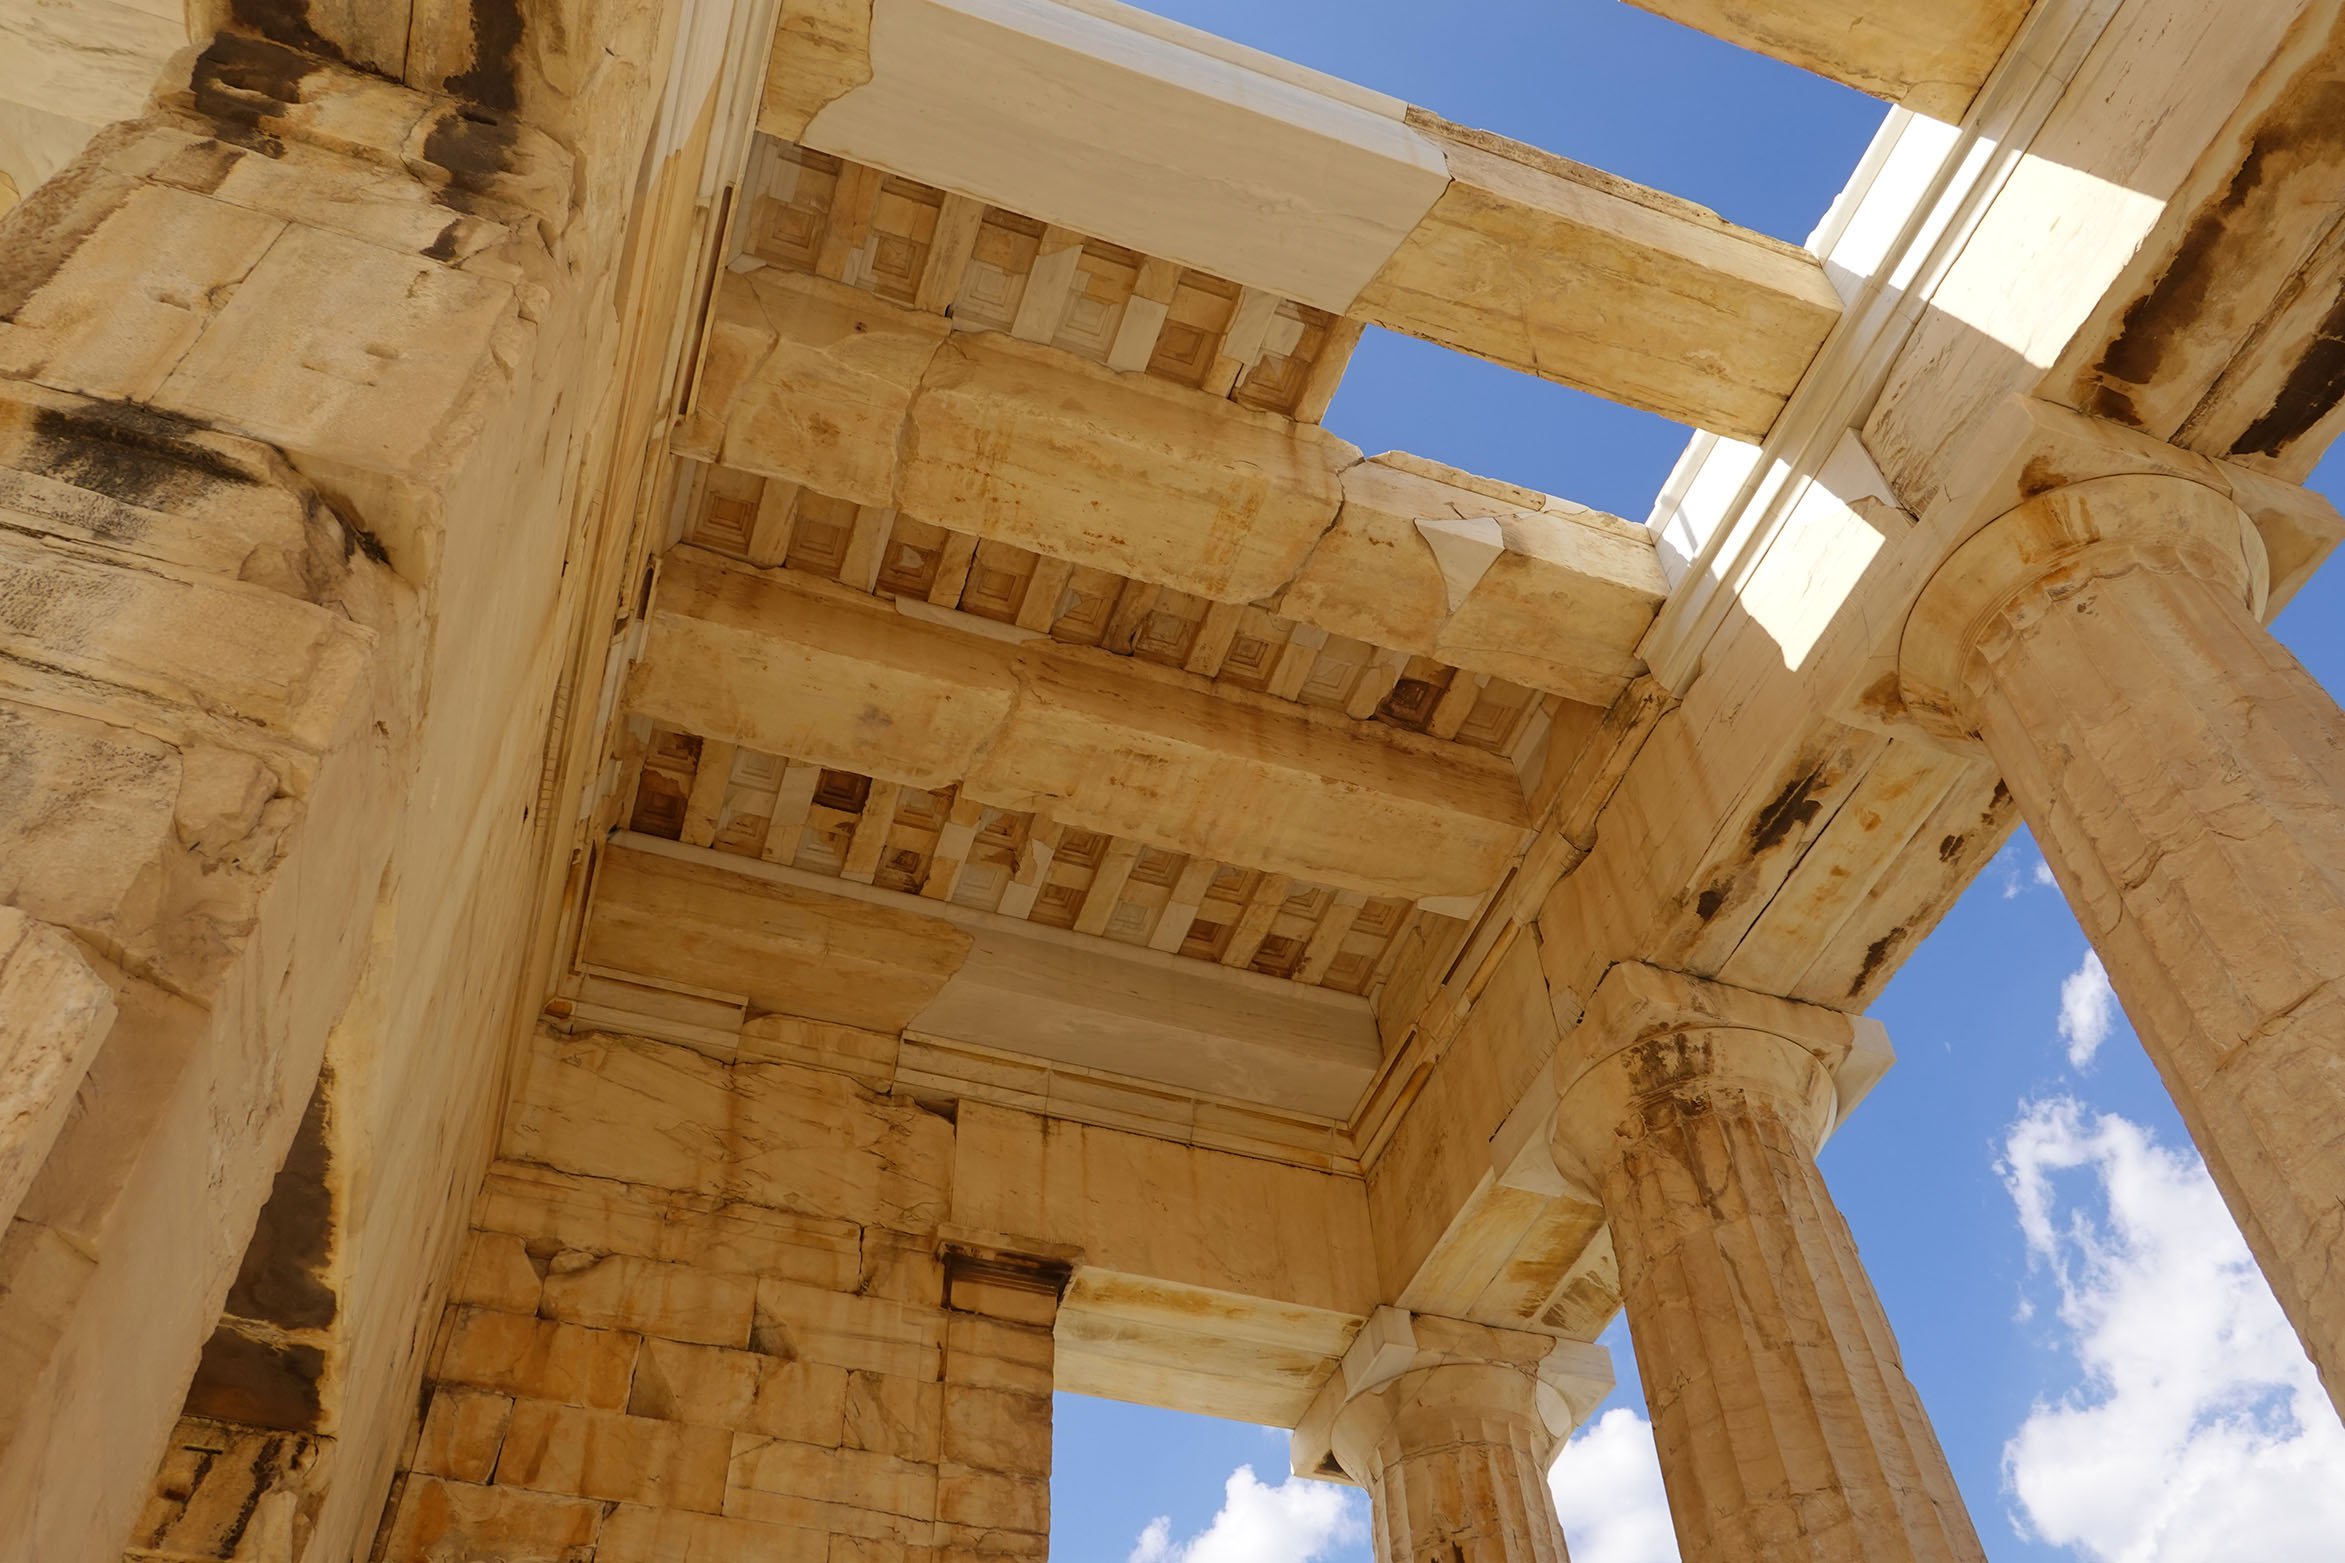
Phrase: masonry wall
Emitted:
{"points": [[711, 1309]]}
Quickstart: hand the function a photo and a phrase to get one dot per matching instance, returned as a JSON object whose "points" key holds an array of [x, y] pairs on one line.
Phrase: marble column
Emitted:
{"points": [[2185, 778], [1450, 1427], [1787, 1429]]}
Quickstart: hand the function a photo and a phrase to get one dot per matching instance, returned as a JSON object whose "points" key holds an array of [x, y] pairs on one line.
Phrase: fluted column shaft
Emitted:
{"points": [[2185, 778], [1786, 1426], [1454, 1458]]}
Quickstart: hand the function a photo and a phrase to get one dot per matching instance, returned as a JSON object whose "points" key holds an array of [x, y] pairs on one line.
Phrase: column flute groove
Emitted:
{"points": [[1786, 1426], [1451, 1426], [2186, 779]]}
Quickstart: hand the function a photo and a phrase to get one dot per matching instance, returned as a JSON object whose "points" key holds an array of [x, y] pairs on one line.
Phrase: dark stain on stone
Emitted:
{"points": [[2312, 391], [1707, 904], [1020, 1272], [1951, 848], [357, 539], [2300, 137], [283, 1280], [45, 229], [366, 543], [1875, 953], [286, 22], [2180, 294], [129, 453], [1795, 805], [262, 1477], [245, 85], [474, 142], [258, 1383], [2001, 798], [2041, 475], [443, 247], [323, 519], [497, 26], [474, 147], [2111, 405]]}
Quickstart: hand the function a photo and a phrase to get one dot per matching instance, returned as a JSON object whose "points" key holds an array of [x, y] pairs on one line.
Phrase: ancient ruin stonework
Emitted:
{"points": [[706, 775]]}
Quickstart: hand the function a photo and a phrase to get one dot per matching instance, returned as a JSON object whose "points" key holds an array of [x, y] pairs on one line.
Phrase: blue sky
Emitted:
{"points": [[2107, 1374]]}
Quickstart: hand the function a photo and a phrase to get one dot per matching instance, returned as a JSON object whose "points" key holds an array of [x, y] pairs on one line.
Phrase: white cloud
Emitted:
{"points": [[2088, 1009], [1607, 1485], [2197, 1432], [2020, 877], [1297, 1521]]}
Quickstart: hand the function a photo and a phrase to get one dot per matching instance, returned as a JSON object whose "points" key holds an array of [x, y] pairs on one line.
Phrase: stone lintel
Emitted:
{"points": [[1927, 55]]}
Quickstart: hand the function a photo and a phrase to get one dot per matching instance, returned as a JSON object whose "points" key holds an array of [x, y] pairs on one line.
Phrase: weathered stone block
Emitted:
{"points": [[462, 1433], [809, 380], [866, 1333], [672, 1301], [887, 1413], [496, 1272], [604, 1454], [440, 1520], [752, 1392], [54, 1013], [984, 1353], [997, 1429], [1011, 1301], [538, 1358], [121, 312], [771, 1478], [979, 1544], [992, 1500], [640, 1535]]}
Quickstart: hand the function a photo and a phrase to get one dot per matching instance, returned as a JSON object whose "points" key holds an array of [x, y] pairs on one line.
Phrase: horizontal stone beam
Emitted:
{"points": [[1929, 55], [824, 674], [1181, 145], [862, 400], [783, 942], [1562, 271], [1484, 576], [829, 387]]}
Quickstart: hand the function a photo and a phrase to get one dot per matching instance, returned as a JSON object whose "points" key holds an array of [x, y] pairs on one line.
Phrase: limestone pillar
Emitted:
{"points": [[1787, 1429], [323, 403], [2186, 779], [1450, 1427]]}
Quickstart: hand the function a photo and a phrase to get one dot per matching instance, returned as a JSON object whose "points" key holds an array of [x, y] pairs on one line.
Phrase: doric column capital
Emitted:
{"points": [[2030, 559], [1430, 1380], [1652, 1037]]}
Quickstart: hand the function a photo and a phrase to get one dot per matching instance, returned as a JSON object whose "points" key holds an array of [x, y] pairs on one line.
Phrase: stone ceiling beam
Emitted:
{"points": [[1928, 55], [829, 387], [824, 674], [1566, 272], [776, 941], [1156, 137], [862, 400]]}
